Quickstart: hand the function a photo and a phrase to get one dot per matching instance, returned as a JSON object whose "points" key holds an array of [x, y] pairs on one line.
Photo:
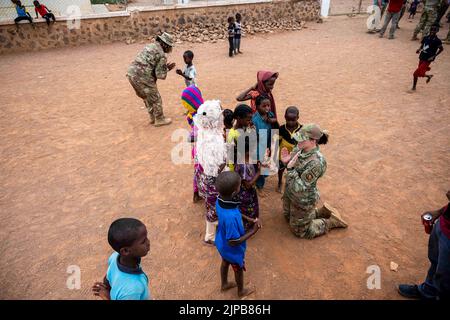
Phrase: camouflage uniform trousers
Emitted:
{"points": [[149, 93], [304, 220], [427, 19], [448, 34]]}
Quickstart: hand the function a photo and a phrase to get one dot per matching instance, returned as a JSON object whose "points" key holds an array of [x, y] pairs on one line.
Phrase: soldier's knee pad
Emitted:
{"points": [[297, 229]]}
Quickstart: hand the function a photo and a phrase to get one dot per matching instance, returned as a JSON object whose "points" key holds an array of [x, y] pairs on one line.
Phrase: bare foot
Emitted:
{"points": [[228, 285], [196, 197], [279, 189], [429, 78], [209, 243], [246, 292], [261, 193], [411, 90]]}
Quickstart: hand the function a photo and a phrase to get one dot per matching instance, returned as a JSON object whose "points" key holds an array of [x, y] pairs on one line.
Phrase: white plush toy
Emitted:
{"points": [[211, 150]]}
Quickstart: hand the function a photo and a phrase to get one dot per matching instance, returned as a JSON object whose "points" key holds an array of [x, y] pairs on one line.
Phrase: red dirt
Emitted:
{"points": [[78, 152]]}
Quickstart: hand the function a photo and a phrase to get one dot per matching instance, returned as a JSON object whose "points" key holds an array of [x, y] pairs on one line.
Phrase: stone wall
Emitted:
{"points": [[188, 24]]}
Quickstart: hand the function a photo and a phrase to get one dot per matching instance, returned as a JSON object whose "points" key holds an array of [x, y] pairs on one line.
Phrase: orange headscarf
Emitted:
{"points": [[261, 77]]}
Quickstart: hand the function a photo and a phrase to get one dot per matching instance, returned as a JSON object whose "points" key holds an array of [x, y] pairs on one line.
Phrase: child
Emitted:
{"points": [[393, 13], [22, 14], [189, 73], [231, 36], [263, 120], [265, 82], [125, 279], [243, 116], [437, 282], [249, 173], [413, 9], [231, 237], [227, 122], [430, 48], [211, 155], [228, 119], [237, 34], [192, 99], [44, 12], [287, 133]]}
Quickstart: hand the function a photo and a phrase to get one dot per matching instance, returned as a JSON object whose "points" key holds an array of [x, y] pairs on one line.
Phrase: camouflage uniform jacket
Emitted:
{"points": [[301, 180], [149, 65], [432, 4]]}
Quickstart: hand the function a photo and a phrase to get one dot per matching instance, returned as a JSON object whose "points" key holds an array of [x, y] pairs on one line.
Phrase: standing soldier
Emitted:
{"points": [[150, 65], [305, 165], [427, 19], [442, 10], [447, 40]]}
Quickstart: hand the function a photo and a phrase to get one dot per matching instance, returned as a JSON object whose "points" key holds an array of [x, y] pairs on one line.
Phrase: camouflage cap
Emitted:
{"points": [[166, 38], [309, 131]]}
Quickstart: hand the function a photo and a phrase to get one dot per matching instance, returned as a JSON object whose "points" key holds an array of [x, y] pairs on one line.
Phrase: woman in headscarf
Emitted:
{"points": [[264, 85]]}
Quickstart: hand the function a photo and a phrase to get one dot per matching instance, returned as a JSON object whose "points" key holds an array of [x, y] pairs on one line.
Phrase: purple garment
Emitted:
{"points": [[197, 167], [248, 197], [210, 194]]}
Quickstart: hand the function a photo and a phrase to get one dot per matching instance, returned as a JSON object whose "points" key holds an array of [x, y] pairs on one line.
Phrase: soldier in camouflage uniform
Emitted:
{"points": [[150, 65], [306, 165], [447, 40], [441, 11], [427, 19]]}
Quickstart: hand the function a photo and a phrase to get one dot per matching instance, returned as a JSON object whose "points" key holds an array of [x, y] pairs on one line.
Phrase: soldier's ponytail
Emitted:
{"points": [[324, 138]]}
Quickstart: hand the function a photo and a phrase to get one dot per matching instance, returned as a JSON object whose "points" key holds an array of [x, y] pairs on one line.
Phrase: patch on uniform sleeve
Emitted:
{"points": [[316, 170], [309, 177], [312, 172]]}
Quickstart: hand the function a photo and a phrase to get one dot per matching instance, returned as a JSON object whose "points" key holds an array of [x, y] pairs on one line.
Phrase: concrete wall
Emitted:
{"points": [[138, 25]]}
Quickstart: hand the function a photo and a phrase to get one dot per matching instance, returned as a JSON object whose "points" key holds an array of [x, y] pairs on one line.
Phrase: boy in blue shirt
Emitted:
{"points": [[22, 14], [125, 279], [230, 237]]}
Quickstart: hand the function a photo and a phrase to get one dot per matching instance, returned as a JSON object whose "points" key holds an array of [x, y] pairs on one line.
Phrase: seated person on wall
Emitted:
{"points": [[44, 12], [22, 13]]}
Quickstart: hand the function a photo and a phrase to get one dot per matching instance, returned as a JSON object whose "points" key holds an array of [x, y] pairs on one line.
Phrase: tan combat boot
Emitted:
{"points": [[162, 122], [326, 211], [335, 220], [323, 213]]}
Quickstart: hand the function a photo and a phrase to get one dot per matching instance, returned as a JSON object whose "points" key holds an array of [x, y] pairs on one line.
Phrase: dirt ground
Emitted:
{"points": [[77, 152]]}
